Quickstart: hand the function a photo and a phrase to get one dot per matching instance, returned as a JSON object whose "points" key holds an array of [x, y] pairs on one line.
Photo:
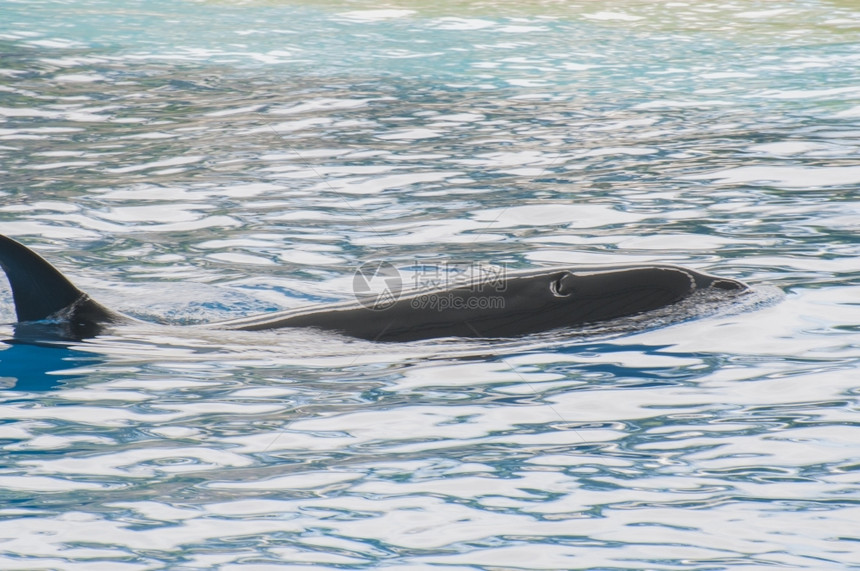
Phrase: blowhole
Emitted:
{"points": [[558, 288]]}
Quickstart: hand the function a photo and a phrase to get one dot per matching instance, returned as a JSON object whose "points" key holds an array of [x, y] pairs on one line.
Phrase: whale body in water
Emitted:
{"points": [[516, 304]]}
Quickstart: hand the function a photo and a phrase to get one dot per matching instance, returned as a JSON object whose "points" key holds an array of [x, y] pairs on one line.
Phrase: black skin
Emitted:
{"points": [[518, 304]]}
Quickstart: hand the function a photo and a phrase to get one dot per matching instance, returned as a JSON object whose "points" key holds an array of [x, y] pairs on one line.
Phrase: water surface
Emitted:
{"points": [[193, 161]]}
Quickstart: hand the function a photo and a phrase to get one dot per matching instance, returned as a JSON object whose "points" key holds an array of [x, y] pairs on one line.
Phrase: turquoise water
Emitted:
{"points": [[192, 161]]}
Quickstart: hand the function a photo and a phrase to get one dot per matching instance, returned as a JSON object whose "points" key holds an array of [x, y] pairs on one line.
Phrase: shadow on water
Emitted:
{"points": [[28, 366]]}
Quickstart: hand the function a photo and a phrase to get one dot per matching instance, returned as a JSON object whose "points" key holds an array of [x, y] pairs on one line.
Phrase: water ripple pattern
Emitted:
{"points": [[192, 161]]}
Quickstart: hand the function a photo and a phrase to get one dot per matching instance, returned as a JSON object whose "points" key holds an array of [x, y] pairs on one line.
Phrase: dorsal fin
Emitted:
{"points": [[38, 288]]}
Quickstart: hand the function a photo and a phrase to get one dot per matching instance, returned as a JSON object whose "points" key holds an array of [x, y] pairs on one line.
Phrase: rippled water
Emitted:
{"points": [[191, 161]]}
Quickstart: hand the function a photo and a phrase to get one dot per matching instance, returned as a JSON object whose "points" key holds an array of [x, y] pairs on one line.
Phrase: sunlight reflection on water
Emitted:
{"points": [[190, 162]]}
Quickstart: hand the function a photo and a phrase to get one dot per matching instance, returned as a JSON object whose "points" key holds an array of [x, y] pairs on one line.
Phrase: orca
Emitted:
{"points": [[518, 303]]}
